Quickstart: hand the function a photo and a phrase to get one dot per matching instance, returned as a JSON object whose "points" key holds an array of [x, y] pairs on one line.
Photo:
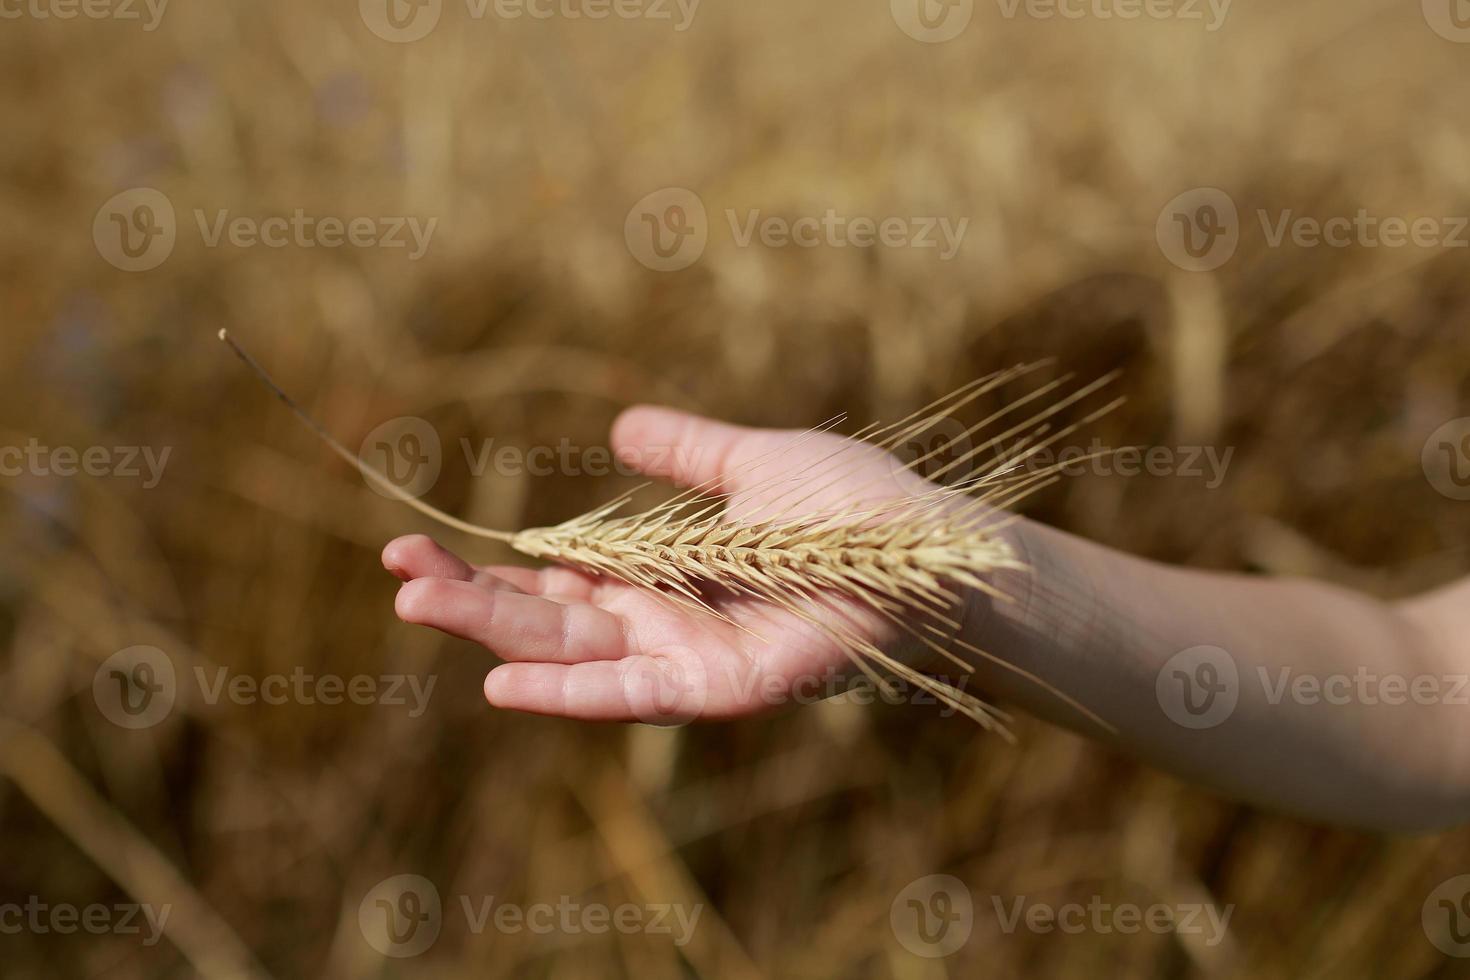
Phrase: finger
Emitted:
{"points": [[417, 556], [693, 451], [528, 580], [594, 694], [687, 450], [513, 625], [562, 584], [420, 556], [641, 689]]}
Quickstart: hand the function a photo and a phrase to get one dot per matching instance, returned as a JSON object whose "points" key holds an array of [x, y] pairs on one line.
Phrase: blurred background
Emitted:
{"points": [[582, 188]]}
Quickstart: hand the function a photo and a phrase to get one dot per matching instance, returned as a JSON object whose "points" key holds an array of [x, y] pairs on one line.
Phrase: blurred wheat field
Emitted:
{"points": [[529, 321]]}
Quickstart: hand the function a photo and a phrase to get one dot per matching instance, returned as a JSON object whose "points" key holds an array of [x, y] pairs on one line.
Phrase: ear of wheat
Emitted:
{"points": [[901, 557]]}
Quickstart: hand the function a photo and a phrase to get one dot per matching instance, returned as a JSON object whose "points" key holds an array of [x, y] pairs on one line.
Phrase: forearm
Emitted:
{"points": [[1345, 708]]}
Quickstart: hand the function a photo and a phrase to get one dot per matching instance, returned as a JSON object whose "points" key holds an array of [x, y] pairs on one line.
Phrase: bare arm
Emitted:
{"points": [[1305, 697]]}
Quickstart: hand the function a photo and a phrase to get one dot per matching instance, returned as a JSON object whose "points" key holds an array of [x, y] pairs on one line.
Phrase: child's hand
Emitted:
{"points": [[592, 648], [1123, 635]]}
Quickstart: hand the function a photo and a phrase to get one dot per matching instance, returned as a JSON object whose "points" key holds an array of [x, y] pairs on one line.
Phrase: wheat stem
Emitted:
{"points": [[372, 474], [900, 559]]}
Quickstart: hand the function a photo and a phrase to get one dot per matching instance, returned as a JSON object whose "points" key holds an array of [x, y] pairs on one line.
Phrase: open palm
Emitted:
{"points": [[593, 648]]}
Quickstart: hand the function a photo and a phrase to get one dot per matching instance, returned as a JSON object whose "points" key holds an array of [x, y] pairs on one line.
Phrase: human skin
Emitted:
{"points": [[1318, 728]]}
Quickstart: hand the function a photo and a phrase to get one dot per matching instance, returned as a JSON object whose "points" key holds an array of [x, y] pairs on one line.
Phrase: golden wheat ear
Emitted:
{"points": [[904, 560]]}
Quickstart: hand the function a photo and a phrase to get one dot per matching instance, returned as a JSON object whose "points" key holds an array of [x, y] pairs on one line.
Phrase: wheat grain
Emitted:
{"points": [[901, 558]]}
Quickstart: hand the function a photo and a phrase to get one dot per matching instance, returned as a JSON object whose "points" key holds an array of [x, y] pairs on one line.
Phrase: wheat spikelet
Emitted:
{"points": [[901, 557]]}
